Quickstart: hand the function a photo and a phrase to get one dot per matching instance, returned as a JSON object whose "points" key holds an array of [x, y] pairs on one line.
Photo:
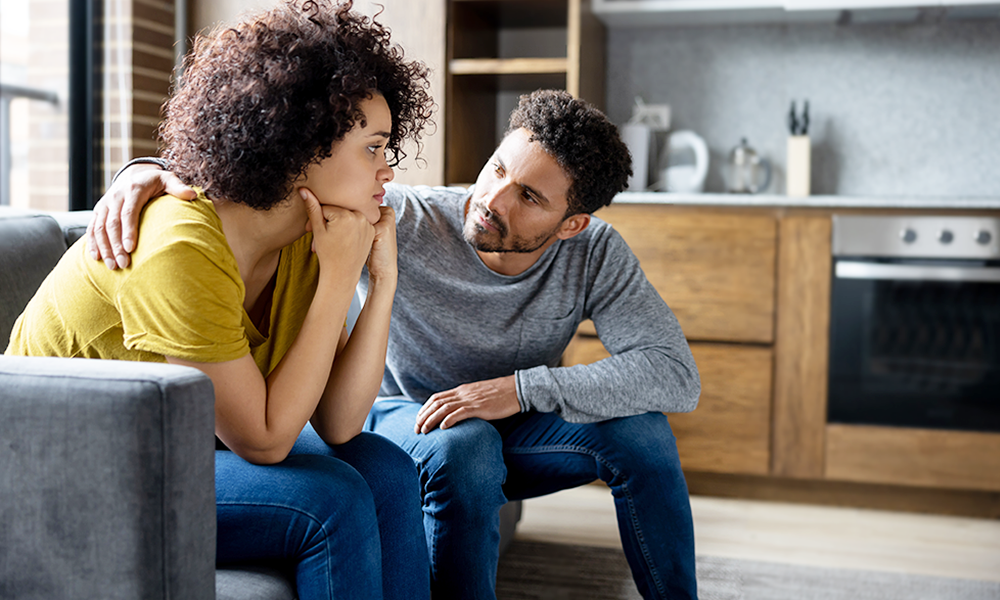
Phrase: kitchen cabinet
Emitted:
{"points": [[716, 270], [751, 287], [639, 13], [499, 49]]}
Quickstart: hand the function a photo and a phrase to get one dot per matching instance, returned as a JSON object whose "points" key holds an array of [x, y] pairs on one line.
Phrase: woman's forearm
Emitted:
{"points": [[357, 370], [296, 385]]}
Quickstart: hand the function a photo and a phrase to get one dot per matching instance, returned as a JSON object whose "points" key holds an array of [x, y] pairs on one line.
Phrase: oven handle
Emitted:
{"points": [[866, 270]]}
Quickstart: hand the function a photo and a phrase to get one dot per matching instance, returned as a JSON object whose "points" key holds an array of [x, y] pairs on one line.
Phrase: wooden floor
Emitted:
{"points": [[790, 533]]}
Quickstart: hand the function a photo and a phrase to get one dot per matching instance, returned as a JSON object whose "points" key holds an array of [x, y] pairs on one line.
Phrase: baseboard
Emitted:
{"points": [[835, 493]]}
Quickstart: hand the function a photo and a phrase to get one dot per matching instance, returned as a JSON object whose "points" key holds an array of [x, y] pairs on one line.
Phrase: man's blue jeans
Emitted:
{"points": [[469, 471], [347, 516]]}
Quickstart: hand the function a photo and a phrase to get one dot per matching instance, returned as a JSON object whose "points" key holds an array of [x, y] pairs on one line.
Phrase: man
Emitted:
{"points": [[492, 286]]}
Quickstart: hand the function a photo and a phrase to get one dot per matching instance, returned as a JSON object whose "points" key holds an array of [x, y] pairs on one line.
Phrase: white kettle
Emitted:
{"points": [[685, 164]]}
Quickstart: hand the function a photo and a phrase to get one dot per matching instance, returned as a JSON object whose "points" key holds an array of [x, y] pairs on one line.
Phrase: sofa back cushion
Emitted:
{"points": [[30, 246]]}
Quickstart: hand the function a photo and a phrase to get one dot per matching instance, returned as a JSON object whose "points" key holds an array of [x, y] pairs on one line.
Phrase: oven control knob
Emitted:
{"points": [[945, 236], [983, 237], [908, 235]]}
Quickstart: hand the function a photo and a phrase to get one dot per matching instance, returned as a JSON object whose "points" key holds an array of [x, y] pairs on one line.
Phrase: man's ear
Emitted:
{"points": [[572, 226]]}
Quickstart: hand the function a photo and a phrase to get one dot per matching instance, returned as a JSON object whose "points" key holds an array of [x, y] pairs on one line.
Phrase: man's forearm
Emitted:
{"points": [[621, 385], [143, 160]]}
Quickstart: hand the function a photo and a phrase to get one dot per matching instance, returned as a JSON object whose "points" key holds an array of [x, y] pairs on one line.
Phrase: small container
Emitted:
{"points": [[747, 172]]}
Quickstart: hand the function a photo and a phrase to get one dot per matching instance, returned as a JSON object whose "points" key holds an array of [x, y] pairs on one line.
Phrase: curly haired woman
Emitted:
{"points": [[251, 283]]}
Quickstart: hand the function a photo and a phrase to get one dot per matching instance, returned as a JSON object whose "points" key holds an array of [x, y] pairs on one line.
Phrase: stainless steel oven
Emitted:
{"points": [[915, 322]]}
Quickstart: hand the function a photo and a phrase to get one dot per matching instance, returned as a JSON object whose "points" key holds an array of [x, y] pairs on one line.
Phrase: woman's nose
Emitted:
{"points": [[385, 173]]}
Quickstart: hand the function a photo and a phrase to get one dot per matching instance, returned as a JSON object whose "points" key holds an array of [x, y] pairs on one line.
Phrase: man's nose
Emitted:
{"points": [[498, 200]]}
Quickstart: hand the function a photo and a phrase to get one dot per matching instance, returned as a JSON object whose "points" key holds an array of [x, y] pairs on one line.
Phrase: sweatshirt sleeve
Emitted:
{"points": [[650, 367]]}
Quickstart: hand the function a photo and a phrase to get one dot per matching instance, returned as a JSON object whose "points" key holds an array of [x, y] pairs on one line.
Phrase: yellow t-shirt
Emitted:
{"points": [[181, 296]]}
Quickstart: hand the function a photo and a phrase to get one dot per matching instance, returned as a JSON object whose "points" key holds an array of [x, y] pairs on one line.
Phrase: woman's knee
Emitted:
{"points": [[386, 467], [332, 492]]}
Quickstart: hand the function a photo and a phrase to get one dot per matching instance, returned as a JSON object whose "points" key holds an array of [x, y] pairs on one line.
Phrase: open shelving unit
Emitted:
{"points": [[500, 49]]}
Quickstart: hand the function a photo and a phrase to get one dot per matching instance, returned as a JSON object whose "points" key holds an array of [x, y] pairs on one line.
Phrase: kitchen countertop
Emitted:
{"points": [[770, 200]]}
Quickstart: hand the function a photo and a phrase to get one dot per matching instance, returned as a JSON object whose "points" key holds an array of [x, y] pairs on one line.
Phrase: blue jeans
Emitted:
{"points": [[347, 516], [469, 471]]}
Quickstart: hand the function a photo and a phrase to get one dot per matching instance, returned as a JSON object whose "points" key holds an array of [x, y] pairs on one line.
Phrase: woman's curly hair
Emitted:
{"points": [[259, 102], [582, 140]]}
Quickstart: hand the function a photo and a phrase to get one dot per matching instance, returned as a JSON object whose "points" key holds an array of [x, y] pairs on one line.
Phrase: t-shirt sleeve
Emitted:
{"points": [[183, 303]]}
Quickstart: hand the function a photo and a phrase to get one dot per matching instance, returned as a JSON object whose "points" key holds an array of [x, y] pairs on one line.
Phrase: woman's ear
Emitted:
{"points": [[572, 226]]}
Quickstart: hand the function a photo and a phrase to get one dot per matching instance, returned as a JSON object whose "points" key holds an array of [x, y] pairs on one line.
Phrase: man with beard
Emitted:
{"points": [[493, 283]]}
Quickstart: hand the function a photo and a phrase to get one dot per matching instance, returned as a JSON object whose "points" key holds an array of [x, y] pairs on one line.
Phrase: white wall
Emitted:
{"points": [[417, 26]]}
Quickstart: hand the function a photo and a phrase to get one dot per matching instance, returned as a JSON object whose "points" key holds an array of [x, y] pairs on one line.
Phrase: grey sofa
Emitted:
{"points": [[107, 467]]}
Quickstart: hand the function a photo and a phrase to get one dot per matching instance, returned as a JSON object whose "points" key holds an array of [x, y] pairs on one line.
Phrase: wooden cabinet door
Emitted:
{"points": [[715, 269], [920, 457], [729, 431]]}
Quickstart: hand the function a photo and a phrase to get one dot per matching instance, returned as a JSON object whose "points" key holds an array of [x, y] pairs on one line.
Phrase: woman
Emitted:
{"points": [[285, 122]]}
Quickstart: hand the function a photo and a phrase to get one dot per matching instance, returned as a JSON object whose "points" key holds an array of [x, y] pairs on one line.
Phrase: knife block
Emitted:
{"points": [[798, 166]]}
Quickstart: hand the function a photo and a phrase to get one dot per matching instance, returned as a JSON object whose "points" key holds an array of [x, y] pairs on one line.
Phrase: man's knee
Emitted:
{"points": [[467, 458], [642, 443]]}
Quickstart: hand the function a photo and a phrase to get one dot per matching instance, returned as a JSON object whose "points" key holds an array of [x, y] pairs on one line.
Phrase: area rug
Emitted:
{"points": [[544, 571]]}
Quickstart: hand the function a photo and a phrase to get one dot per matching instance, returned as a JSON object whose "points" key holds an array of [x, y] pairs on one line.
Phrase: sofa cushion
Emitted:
{"points": [[30, 246], [73, 224], [253, 582]]}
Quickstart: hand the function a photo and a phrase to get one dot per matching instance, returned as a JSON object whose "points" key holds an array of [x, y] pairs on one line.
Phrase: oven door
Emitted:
{"points": [[915, 344]]}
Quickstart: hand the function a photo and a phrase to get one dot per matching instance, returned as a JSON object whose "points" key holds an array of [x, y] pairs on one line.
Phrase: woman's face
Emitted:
{"points": [[354, 175]]}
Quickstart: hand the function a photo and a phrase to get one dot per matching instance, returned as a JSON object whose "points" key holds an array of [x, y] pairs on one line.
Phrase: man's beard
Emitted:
{"points": [[484, 240]]}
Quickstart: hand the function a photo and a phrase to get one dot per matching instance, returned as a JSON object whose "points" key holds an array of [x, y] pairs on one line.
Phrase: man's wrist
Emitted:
{"points": [[142, 160]]}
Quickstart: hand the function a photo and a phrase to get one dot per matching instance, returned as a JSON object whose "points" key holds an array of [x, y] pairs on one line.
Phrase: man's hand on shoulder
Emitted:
{"points": [[112, 233], [489, 400]]}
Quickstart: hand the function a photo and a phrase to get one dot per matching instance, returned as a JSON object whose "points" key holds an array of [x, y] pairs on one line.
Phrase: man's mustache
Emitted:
{"points": [[491, 218]]}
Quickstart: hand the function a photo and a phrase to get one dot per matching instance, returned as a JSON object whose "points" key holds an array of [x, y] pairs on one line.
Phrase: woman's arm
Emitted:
{"points": [[357, 371], [259, 419]]}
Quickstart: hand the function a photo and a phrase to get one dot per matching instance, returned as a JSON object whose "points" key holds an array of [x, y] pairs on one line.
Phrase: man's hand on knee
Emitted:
{"points": [[488, 400]]}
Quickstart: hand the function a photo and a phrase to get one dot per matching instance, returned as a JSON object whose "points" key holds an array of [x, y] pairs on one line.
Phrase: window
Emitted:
{"points": [[82, 85]]}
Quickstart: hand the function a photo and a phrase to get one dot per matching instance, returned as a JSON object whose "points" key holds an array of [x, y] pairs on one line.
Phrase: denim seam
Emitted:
{"points": [[329, 563], [628, 496]]}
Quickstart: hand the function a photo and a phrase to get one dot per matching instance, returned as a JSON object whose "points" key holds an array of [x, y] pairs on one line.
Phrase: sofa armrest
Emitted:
{"points": [[107, 472]]}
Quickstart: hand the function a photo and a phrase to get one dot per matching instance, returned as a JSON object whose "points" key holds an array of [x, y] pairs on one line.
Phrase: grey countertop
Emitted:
{"points": [[767, 200]]}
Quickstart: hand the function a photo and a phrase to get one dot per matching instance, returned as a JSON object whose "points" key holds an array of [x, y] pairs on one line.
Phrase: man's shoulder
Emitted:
{"points": [[401, 197], [600, 233]]}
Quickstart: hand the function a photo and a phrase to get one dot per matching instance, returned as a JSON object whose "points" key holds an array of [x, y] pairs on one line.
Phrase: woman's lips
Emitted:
{"points": [[380, 197]]}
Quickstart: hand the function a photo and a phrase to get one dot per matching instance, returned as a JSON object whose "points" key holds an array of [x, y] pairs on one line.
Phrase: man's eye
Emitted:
{"points": [[527, 196]]}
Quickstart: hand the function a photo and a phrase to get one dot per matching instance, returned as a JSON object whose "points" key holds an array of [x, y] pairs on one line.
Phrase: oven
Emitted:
{"points": [[915, 322]]}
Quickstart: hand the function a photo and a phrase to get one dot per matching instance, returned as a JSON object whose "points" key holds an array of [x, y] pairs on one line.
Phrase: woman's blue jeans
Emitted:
{"points": [[467, 472], [347, 516]]}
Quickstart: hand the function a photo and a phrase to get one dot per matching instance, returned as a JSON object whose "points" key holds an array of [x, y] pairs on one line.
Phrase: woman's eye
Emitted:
{"points": [[497, 169], [374, 149]]}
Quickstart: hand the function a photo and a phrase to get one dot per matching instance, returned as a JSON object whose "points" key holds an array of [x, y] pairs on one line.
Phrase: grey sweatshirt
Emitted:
{"points": [[455, 321]]}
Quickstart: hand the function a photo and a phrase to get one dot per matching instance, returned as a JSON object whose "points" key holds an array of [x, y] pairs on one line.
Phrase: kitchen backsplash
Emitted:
{"points": [[896, 109]]}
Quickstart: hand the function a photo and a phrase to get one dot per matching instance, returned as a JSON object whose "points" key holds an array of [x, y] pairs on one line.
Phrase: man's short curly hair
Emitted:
{"points": [[260, 101], [582, 140]]}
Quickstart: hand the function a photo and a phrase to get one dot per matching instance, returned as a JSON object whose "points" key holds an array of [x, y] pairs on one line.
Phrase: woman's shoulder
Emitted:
{"points": [[170, 221]]}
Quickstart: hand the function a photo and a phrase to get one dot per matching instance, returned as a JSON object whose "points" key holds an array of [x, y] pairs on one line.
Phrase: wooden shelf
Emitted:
{"points": [[500, 49], [507, 66]]}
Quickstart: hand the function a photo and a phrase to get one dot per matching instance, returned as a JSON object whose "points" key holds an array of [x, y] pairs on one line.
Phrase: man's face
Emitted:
{"points": [[520, 200]]}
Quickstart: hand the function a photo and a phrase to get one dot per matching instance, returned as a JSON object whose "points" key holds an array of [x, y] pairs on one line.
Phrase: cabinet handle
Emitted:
{"points": [[866, 270]]}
